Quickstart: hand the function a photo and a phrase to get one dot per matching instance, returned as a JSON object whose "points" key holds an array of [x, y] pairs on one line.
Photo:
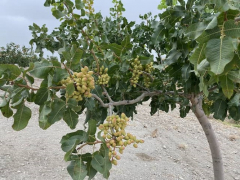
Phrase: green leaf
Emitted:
{"points": [[198, 55], [203, 66], [41, 69], [173, 56], [158, 34], [30, 79], [203, 86], [44, 111], [79, 4], [6, 111], [41, 96], [227, 86], [71, 118], [13, 70], [186, 70], [232, 29], [97, 162], [59, 74], [220, 5], [57, 14], [92, 128], [117, 49], [126, 44], [234, 112], [58, 107], [72, 103], [76, 54], [77, 169], [219, 53], [107, 165], [145, 60], [235, 101], [124, 67], [70, 89], [21, 117], [71, 140], [90, 104], [234, 76], [209, 34], [195, 30], [220, 109]]}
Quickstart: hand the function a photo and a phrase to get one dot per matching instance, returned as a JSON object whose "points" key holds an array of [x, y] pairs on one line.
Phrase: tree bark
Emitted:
{"points": [[211, 137]]}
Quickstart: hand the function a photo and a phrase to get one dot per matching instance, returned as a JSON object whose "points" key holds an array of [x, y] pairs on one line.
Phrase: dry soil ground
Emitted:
{"points": [[174, 149]]}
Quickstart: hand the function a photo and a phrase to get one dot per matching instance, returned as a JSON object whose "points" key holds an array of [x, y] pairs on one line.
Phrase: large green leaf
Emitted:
{"points": [[57, 14], [41, 69], [107, 165], [6, 110], [58, 107], [13, 71], [195, 30], [71, 140], [220, 109], [72, 103], [186, 70], [234, 112], [227, 86], [77, 169], [92, 127], [70, 89], [209, 34], [126, 44], [158, 34], [117, 49], [76, 54], [219, 53], [173, 56], [21, 117], [44, 111], [79, 4], [71, 118], [220, 5], [235, 101], [232, 29], [198, 55], [234, 76], [59, 74], [41, 96], [97, 162]]}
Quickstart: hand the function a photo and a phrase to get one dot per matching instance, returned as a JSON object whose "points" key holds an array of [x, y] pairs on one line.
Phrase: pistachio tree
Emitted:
{"points": [[187, 56]]}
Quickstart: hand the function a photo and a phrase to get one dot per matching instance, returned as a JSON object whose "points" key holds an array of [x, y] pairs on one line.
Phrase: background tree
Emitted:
{"points": [[107, 68], [14, 54]]}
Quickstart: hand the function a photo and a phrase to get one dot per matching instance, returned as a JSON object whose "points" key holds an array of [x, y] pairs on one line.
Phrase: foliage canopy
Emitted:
{"points": [[200, 40]]}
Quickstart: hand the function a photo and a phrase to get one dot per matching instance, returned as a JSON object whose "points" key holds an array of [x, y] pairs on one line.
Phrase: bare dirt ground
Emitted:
{"points": [[174, 149]]}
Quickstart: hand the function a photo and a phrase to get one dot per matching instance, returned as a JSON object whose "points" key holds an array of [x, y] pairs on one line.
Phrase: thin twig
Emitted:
{"points": [[107, 95], [89, 143], [35, 89]]}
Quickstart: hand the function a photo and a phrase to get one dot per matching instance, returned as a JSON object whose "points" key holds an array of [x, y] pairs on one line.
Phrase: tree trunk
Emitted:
{"points": [[211, 137]]}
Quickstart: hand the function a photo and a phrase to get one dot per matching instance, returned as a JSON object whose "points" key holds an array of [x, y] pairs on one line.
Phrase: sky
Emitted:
{"points": [[16, 16]]}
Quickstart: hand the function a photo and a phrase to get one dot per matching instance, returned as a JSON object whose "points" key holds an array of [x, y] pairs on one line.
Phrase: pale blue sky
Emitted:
{"points": [[16, 16]]}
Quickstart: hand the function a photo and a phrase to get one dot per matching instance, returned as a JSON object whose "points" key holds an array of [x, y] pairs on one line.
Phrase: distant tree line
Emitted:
{"points": [[22, 56]]}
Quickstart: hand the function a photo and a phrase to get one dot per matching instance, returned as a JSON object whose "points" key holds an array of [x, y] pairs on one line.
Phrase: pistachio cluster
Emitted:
{"points": [[207, 101], [148, 69], [104, 77], [83, 82], [136, 72], [116, 137]]}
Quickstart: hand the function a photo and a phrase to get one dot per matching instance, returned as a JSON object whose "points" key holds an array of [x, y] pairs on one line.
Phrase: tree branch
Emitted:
{"points": [[237, 19], [133, 101]]}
